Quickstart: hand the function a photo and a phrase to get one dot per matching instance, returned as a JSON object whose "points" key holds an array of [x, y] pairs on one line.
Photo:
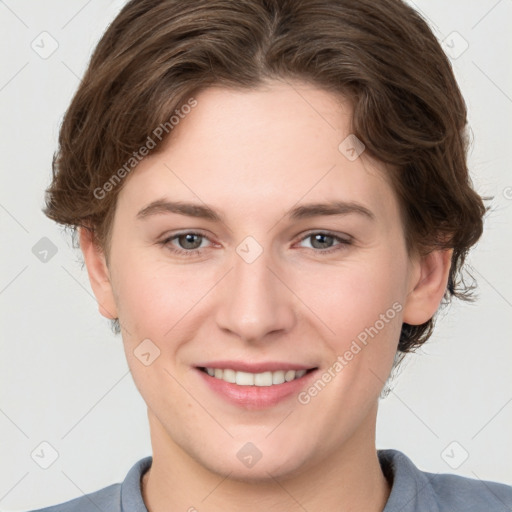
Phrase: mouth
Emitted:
{"points": [[263, 387], [261, 379]]}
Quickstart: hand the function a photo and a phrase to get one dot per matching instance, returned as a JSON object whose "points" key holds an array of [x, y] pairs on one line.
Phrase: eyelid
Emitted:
{"points": [[168, 238], [339, 236]]}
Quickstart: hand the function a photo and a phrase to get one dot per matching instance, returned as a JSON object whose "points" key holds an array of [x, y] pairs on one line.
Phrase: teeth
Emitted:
{"points": [[278, 377], [289, 375], [255, 379], [228, 376], [243, 378]]}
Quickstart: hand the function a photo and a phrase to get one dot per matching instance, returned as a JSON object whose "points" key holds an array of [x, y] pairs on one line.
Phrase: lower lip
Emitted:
{"points": [[256, 397]]}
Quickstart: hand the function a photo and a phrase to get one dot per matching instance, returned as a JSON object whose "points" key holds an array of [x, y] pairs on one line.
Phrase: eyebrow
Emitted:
{"points": [[163, 206]]}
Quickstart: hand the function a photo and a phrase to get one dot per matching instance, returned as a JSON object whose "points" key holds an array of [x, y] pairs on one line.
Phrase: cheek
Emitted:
{"points": [[351, 298], [151, 296], [368, 324]]}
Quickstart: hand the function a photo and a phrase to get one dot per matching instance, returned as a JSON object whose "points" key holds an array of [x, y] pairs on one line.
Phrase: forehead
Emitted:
{"points": [[260, 150]]}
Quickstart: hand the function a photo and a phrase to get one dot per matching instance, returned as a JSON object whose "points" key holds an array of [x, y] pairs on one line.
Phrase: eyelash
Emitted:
{"points": [[198, 252]]}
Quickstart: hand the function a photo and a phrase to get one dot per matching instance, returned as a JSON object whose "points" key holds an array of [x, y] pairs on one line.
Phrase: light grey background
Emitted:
{"points": [[64, 378]]}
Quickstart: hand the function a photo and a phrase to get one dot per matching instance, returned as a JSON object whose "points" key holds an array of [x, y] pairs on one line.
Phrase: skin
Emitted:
{"points": [[253, 155]]}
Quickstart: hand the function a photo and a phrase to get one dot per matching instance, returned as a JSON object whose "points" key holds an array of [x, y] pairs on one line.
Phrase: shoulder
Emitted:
{"points": [[470, 494], [108, 498], [415, 490], [118, 497]]}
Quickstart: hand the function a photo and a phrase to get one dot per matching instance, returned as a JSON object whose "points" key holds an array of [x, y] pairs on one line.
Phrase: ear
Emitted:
{"points": [[427, 286], [99, 274]]}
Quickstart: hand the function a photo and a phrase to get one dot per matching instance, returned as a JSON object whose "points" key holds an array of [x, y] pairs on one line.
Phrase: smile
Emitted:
{"points": [[267, 378], [255, 385]]}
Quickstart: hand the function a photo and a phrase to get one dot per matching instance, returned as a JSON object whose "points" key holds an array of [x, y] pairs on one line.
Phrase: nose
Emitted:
{"points": [[254, 300]]}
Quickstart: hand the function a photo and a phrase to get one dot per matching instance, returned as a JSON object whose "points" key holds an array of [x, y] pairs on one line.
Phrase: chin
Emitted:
{"points": [[268, 463], [261, 472]]}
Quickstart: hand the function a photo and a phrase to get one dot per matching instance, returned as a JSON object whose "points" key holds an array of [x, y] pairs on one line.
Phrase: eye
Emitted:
{"points": [[187, 243], [323, 240]]}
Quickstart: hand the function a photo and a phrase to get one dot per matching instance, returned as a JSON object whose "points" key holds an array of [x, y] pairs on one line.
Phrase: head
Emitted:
{"points": [[250, 110]]}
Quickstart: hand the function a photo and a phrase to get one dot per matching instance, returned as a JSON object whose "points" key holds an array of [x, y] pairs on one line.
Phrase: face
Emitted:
{"points": [[265, 285]]}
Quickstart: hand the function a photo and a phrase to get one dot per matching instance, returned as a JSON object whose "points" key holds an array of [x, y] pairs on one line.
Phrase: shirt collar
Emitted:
{"points": [[411, 489], [131, 495]]}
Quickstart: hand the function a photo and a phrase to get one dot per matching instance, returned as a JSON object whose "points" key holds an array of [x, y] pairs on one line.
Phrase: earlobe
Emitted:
{"points": [[427, 287], [99, 275]]}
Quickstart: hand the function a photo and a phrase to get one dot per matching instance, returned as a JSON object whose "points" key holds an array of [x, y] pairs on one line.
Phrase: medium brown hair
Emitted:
{"points": [[407, 107]]}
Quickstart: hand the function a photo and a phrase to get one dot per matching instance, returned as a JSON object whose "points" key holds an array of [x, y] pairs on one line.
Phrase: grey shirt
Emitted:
{"points": [[412, 490]]}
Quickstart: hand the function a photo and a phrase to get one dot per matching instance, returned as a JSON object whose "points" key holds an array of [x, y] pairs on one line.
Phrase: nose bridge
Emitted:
{"points": [[254, 301]]}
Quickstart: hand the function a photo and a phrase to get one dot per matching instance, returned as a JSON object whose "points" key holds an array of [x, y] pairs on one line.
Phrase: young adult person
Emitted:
{"points": [[256, 185]]}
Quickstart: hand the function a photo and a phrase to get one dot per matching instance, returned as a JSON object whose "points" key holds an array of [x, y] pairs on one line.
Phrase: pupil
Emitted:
{"points": [[319, 237], [189, 241]]}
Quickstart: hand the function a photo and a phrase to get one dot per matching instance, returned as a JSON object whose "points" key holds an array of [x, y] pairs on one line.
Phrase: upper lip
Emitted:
{"points": [[241, 366]]}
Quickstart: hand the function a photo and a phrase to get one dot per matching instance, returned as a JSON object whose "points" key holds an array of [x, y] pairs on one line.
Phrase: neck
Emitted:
{"points": [[348, 479]]}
